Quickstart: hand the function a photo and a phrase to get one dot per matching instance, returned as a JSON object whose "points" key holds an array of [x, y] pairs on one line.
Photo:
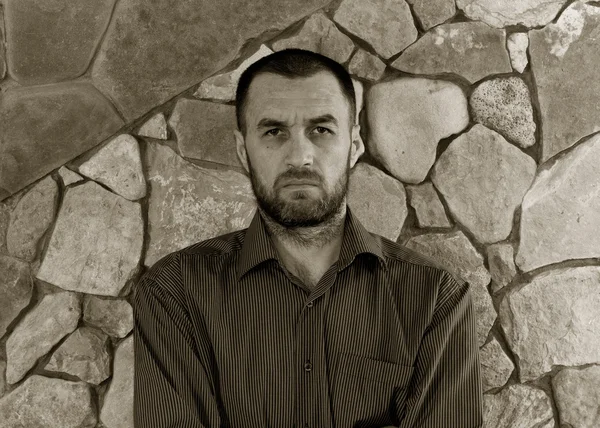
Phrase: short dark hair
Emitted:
{"points": [[292, 63]]}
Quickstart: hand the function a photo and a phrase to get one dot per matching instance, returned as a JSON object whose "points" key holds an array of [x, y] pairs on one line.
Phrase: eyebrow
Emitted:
{"points": [[269, 122]]}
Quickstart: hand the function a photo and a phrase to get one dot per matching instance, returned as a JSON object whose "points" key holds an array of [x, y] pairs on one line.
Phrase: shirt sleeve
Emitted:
{"points": [[173, 384], [446, 391]]}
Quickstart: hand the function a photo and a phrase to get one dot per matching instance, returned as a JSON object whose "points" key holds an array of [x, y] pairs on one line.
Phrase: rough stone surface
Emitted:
{"points": [[44, 127], [407, 117], [433, 12], [569, 108], [155, 127], [39, 330], [112, 316], [483, 195], [560, 215], [502, 264], [96, 243], [377, 200], [7, 206], [117, 410], [68, 176], [65, 47], [427, 205], [16, 286], [2, 43], [118, 166], [530, 13], [517, 44], [454, 252], [2, 377], [553, 320], [153, 51], [577, 395], [188, 203], [84, 354], [496, 367], [472, 50], [205, 130], [387, 25], [319, 35], [518, 406], [504, 105], [366, 65], [358, 97], [222, 86], [43, 402]]}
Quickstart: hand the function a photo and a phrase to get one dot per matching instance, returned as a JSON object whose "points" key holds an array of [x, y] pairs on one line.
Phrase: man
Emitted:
{"points": [[304, 319]]}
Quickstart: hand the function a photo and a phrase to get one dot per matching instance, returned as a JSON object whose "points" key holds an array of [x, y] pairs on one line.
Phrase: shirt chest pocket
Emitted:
{"points": [[367, 392]]}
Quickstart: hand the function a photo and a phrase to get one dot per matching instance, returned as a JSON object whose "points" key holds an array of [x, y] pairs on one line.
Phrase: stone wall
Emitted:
{"points": [[116, 148]]}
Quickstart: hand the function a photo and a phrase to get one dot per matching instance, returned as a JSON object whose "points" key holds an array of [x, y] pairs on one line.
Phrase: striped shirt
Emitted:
{"points": [[225, 336]]}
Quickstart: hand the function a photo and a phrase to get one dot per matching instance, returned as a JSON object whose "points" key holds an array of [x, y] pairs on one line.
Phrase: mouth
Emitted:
{"points": [[300, 183]]}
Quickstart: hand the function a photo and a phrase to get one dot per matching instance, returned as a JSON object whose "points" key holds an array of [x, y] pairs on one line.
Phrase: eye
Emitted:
{"points": [[273, 132], [322, 130]]}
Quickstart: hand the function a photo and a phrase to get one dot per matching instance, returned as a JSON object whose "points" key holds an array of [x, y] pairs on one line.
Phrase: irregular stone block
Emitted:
{"points": [[517, 44], [407, 118], [433, 12], [7, 206], [496, 367], [427, 205], [30, 219], [558, 52], [483, 178], [530, 13], [472, 50], [377, 200], [578, 396], [96, 243], [2, 377], [16, 286], [119, 167], [365, 65], [155, 127], [188, 203], [68, 176], [39, 330], [387, 25], [319, 35], [518, 406], [504, 105], [553, 320], [154, 51], [454, 252], [560, 215], [44, 127], [502, 265], [112, 316], [117, 410]]}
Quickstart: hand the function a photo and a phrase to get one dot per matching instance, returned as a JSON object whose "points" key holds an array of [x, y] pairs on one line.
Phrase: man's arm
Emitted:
{"points": [[173, 384]]}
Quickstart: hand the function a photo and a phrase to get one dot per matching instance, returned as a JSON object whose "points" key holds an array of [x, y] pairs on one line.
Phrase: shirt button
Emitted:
{"points": [[307, 366], [310, 304]]}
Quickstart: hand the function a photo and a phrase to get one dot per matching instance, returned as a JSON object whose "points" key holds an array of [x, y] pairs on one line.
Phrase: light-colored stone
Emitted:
{"points": [[407, 117], [319, 35], [517, 44], [560, 215], [68, 176], [7, 206], [496, 367], [30, 219], [472, 50], [433, 12], [553, 320], [39, 330], [112, 316], [117, 411], [118, 166], [366, 65], [188, 203], [16, 287], [377, 200], [504, 105], [454, 252], [427, 205], [222, 87], [96, 243], [387, 25], [518, 406], [569, 107], [42, 402], [577, 394], [530, 13], [483, 179], [155, 127], [83, 354], [502, 264], [358, 97]]}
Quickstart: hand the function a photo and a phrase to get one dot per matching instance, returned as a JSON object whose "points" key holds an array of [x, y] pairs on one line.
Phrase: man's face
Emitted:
{"points": [[299, 146]]}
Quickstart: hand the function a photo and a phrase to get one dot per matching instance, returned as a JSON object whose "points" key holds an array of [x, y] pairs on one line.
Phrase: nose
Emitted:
{"points": [[300, 151]]}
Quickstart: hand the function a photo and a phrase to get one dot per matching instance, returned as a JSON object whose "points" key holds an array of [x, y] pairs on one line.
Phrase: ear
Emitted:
{"points": [[358, 147], [240, 146]]}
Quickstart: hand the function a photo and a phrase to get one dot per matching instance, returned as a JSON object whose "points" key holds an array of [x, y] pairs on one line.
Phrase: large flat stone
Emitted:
{"points": [[188, 203], [570, 108], [496, 367], [577, 395], [117, 410], [518, 406], [502, 264], [407, 118], [433, 12], [365, 65], [502, 13], [560, 215], [154, 51], [112, 316], [427, 205], [96, 243], [553, 320], [53, 41], [472, 50], [155, 127], [44, 127], [16, 287], [483, 195]]}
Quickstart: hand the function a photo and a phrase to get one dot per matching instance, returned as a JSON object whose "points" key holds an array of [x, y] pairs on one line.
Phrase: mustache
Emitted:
{"points": [[298, 174]]}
